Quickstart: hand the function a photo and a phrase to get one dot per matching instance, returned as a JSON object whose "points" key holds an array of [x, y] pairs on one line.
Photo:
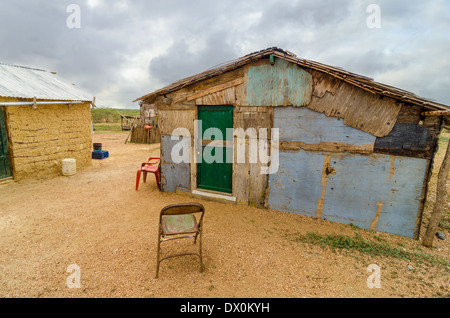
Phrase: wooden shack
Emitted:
{"points": [[141, 132], [43, 120], [340, 146]]}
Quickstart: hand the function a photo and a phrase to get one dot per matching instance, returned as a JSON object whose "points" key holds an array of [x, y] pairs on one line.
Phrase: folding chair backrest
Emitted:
{"points": [[183, 208]]}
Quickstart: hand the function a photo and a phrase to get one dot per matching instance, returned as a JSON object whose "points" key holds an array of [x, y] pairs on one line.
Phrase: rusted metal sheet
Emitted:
{"points": [[173, 174], [281, 84]]}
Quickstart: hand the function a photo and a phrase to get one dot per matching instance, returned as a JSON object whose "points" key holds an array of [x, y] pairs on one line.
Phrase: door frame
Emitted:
{"points": [[4, 141], [227, 145]]}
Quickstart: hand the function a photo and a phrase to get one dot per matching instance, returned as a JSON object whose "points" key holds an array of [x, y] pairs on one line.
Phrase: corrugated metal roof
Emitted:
{"points": [[24, 82]]}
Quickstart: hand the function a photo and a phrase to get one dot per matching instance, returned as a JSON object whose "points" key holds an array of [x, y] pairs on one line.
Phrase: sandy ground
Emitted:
{"points": [[97, 221]]}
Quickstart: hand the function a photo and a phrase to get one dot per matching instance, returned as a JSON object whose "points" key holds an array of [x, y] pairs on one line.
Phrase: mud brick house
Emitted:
{"points": [[43, 119], [343, 147]]}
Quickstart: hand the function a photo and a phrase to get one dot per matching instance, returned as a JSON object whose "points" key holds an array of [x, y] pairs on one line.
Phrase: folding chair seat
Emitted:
{"points": [[152, 166], [179, 221]]}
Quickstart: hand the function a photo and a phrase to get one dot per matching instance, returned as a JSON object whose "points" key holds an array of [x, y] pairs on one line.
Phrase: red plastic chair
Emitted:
{"points": [[152, 166]]}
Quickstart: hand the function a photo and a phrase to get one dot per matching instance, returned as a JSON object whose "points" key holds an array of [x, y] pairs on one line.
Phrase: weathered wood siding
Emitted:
{"points": [[249, 185], [287, 84], [373, 191], [346, 154]]}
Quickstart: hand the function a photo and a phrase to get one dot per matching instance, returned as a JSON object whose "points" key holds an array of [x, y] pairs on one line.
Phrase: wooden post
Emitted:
{"points": [[131, 130], [441, 200]]}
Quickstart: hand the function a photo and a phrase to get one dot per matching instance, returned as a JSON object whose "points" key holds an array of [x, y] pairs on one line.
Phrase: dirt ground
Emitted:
{"points": [[98, 221]]}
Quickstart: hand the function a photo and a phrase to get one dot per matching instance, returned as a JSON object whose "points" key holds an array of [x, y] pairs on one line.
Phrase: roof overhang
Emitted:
{"points": [[363, 82]]}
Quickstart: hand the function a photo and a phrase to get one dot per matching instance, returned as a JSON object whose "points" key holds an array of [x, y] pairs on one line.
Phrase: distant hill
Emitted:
{"points": [[112, 115]]}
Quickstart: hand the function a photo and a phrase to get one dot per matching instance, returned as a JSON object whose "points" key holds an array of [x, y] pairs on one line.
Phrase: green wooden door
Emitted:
{"points": [[5, 170], [215, 171]]}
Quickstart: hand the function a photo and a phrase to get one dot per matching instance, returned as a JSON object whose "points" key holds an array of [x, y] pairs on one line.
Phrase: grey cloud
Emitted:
{"points": [[409, 51], [178, 62]]}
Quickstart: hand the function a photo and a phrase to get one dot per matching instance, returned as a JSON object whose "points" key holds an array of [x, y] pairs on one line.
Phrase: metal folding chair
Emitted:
{"points": [[178, 221]]}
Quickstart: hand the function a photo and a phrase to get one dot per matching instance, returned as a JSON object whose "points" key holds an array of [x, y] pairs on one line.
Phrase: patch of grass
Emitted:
{"points": [[344, 242], [107, 127], [444, 224], [111, 115]]}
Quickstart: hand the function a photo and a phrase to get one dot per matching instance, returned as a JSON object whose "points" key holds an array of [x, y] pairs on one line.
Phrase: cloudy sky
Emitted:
{"points": [[119, 50]]}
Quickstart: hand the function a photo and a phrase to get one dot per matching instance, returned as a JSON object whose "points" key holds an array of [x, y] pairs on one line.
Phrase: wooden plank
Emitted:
{"points": [[223, 97], [326, 147], [257, 185], [324, 83], [241, 175], [249, 185], [359, 109], [252, 117], [436, 113], [240, 95], [169, 120], [214, 89]]}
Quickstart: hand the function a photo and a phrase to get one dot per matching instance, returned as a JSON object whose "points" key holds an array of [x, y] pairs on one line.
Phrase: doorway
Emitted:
{"points": [[5, 167], [215, 170]]}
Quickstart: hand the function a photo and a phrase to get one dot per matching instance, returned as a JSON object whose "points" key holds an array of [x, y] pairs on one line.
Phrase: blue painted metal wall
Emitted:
{"points": [[363, 182], [175, 174], [303, 124], [296, 187], [360, 185], [281, 84]]}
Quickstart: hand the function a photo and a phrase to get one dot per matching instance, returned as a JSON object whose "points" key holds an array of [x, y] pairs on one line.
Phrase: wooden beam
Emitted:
{"points": [[440, 204], [214, 89], [436, 113], [326, 147]]}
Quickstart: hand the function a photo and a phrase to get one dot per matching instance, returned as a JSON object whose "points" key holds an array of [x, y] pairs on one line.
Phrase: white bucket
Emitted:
{"points": [[69, 167]]}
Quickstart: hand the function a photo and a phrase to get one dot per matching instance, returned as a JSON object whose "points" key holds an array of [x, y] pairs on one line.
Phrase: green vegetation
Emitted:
{"points": [[111, 115], [357, 243], [108, 127], [109, 119]]}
